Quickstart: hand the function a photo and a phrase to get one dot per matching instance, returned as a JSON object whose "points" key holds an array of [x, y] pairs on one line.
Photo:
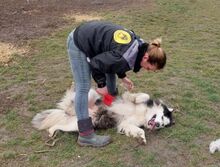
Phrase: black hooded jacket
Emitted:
{"points": [[109, 48]]}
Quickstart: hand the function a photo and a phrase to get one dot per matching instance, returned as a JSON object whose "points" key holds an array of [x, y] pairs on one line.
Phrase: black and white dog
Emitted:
{"points": [[128, 113]]}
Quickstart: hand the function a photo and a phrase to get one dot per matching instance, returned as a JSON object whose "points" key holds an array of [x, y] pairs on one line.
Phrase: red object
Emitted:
{"points": [[108, 99]]}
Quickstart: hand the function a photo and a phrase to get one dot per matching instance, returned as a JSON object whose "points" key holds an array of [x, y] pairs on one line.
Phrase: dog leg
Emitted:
{"points": [[127, 96], [141, 97], [136, 98], [70, 127], [132, 130]]}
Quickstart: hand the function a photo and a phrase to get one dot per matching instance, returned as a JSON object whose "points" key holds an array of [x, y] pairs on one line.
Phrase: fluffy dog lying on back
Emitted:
{"points": [[128, 114]]}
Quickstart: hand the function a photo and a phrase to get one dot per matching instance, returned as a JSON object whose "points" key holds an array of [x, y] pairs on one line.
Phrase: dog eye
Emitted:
{"points": [[162, 118], [154, 116]]}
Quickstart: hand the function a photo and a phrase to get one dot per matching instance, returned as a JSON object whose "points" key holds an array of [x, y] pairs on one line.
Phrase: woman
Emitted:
{"points": [[101, 50]]}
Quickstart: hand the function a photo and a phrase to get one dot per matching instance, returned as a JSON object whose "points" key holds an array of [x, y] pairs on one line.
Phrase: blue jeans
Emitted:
{"points": [[82, 76]]}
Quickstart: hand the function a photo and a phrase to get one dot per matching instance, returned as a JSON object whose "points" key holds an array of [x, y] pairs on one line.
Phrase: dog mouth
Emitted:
{"points": [[151, 123]]}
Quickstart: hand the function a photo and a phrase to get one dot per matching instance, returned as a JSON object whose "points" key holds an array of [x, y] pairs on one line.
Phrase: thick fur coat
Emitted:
{"points": [[127, 113]]}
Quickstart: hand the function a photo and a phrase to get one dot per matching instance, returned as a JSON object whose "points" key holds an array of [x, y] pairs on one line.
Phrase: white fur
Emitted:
{"points": [[130, 113], [214, 146], [63, 118]]}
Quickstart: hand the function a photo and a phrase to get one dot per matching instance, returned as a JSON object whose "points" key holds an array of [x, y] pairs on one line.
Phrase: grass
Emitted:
{"points": [[189, 83]]}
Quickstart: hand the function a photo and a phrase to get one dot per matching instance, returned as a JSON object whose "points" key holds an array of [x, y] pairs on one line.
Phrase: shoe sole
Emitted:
{"points": [[92, 145]]}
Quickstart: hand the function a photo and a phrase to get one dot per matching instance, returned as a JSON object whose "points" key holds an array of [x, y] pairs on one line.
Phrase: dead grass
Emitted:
{"points": [[7, 51], [81, 17]]}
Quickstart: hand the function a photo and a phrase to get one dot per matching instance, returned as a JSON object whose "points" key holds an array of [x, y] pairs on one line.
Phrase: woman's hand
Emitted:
{"points": [[102, 91], [128, 83]]}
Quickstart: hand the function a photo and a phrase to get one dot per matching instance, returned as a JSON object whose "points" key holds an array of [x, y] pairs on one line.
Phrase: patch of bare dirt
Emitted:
{"points": [[21, 20], [12, 98]]}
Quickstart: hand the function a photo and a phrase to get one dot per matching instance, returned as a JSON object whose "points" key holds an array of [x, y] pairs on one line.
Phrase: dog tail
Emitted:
{"points": [[48, 118]]}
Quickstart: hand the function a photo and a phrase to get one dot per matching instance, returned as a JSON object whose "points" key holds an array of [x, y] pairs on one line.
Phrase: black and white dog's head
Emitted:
{"points": [[158, 115]]}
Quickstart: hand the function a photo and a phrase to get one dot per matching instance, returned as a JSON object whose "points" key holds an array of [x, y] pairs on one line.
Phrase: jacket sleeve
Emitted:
{"points": [[108, 62]]}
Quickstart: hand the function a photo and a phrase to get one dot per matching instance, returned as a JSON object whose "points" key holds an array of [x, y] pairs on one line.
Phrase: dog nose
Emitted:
{"points": [[157, 124]]}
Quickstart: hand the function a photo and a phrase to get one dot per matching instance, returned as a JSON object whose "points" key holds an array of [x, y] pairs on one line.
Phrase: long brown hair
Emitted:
{"points": [[156, 54]]}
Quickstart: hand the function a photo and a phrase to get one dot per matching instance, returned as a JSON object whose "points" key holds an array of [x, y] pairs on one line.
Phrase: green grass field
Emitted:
{"points": [[190, 84]]}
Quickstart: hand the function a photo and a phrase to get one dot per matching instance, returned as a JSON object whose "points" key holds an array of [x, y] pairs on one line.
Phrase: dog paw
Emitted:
{"points": [[141, 137], [121, 131], [141, 141], [141, 97], [51, 132]]}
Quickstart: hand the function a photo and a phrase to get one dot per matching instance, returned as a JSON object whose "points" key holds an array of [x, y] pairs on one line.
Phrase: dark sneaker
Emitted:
{"points": [[93, 140]]}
